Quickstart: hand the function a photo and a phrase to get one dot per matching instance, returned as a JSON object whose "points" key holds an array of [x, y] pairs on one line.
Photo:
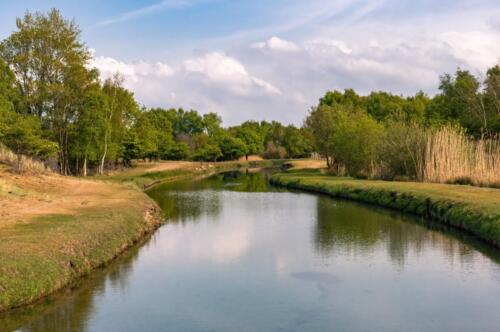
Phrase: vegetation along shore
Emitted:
{"points": [[472, 209]]}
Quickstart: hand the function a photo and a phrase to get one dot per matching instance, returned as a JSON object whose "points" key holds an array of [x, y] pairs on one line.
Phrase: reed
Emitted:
{"points": [[25, 164], [452, 157]]}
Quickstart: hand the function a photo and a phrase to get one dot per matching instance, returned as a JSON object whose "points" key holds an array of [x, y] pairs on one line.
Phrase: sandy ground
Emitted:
{"points": [[25, 196], [308, 163]]}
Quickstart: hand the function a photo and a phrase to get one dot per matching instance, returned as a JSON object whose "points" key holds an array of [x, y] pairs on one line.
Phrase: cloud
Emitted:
{"points": [[277, 44], [327, 46], [221, 69], [163, 5], [131, 71], [362, 44], [479, 49]]}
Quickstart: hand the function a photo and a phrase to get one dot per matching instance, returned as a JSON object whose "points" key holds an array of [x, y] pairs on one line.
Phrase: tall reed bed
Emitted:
{"points": [[450, 156], [24, 164]]}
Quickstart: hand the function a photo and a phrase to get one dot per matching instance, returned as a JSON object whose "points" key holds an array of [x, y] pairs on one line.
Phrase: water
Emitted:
{"points": [[237, 255]]}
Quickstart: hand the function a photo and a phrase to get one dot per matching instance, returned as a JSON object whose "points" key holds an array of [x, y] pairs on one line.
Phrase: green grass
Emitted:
{"points": [[475, 210], [44, 254]]}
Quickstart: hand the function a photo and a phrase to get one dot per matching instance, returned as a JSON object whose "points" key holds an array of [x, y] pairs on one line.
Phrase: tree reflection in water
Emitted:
{"points": [[354, 228]]}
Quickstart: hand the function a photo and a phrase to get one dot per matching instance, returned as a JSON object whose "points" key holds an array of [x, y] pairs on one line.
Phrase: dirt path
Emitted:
{"points": [[27, 196]]}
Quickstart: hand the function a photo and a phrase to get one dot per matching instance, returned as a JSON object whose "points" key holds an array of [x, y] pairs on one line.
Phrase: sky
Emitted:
{"points": [[273, 60]]}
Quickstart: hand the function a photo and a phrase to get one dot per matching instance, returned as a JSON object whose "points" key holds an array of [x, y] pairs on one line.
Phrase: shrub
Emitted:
{"points": [[274, 151]]}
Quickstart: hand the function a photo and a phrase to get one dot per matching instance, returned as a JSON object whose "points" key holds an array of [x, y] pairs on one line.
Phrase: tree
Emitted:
{"points": [[232, 148], [121, 108], [23, 135], [461, 99], [248, 132], [50, 64], [90, 128], [9, 92], [492, 99], [321, 123], [296, 142], [274, 151], [355, 141], [212, 124]]}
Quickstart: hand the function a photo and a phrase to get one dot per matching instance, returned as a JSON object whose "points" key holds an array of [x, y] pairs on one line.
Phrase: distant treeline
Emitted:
{"points": [[54, 107]]}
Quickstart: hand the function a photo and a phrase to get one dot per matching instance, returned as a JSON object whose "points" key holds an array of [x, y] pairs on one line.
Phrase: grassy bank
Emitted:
{"points": [[56, 229], [475, 210]]}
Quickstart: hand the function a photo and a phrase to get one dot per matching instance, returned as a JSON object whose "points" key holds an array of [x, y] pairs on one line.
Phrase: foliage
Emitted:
{"points": [[22, 134], [48, 96], [274, 151]]}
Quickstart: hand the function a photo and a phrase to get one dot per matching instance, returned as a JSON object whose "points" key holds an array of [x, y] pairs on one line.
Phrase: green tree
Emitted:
{"points": [[462, 100], [231, 147], [321, 122], [355, 141], [249, 133], [9, 92], [50, 63], [23, 135], [296, 142], [119, 114], [90, 129], [492, 100]]}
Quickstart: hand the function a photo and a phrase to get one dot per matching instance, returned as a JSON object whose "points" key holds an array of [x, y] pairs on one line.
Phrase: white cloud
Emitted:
{"points": [[221, 69], [479, 49], [365, 45], [327, 46], [133, 72], [277, 44]]}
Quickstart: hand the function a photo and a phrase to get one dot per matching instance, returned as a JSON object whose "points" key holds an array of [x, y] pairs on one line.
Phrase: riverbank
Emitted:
{"points": [[55, 229], [472, 209]]}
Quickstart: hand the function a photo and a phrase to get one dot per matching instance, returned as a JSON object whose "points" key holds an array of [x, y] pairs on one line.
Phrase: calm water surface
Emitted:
{"points": [[237, 255]]}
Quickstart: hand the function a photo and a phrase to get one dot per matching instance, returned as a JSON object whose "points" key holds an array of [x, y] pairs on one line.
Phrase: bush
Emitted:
{"points": [[274, 151], [355, 141]]}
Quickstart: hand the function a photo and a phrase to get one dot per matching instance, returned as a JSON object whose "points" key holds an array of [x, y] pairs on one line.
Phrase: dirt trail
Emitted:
{"points": [[23, 197]]}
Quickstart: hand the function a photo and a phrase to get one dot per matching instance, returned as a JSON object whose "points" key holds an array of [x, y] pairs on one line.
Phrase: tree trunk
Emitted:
{"points": [[19, 163], [85, 166], [101, 168]]}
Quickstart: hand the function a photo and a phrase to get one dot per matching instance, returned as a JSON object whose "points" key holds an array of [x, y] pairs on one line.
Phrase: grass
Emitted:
{"points": [[475, 210], [28, 165], [452, 157], [41, 251]]}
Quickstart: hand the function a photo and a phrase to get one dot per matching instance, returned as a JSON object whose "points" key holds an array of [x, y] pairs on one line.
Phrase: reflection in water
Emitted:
{"points": [[353, 229], [237, 254]]}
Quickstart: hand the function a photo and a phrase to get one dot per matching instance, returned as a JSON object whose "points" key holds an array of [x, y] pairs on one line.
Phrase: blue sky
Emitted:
{"points": [[273, 59]]}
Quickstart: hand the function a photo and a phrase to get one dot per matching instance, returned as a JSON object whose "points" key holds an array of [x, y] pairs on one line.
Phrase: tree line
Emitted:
{"points": [[54, 107], [451, 137]]}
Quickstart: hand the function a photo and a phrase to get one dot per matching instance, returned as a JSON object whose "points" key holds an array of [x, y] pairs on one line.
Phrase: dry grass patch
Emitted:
{"points": [[55, 229]]}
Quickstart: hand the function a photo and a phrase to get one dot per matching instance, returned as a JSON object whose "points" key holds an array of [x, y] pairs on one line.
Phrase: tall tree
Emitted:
{"points": [[118, 116], [49, 61]]}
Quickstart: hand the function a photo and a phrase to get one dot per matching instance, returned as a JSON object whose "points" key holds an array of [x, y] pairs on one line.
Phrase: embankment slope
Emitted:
{"points": [[54, 229]]}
